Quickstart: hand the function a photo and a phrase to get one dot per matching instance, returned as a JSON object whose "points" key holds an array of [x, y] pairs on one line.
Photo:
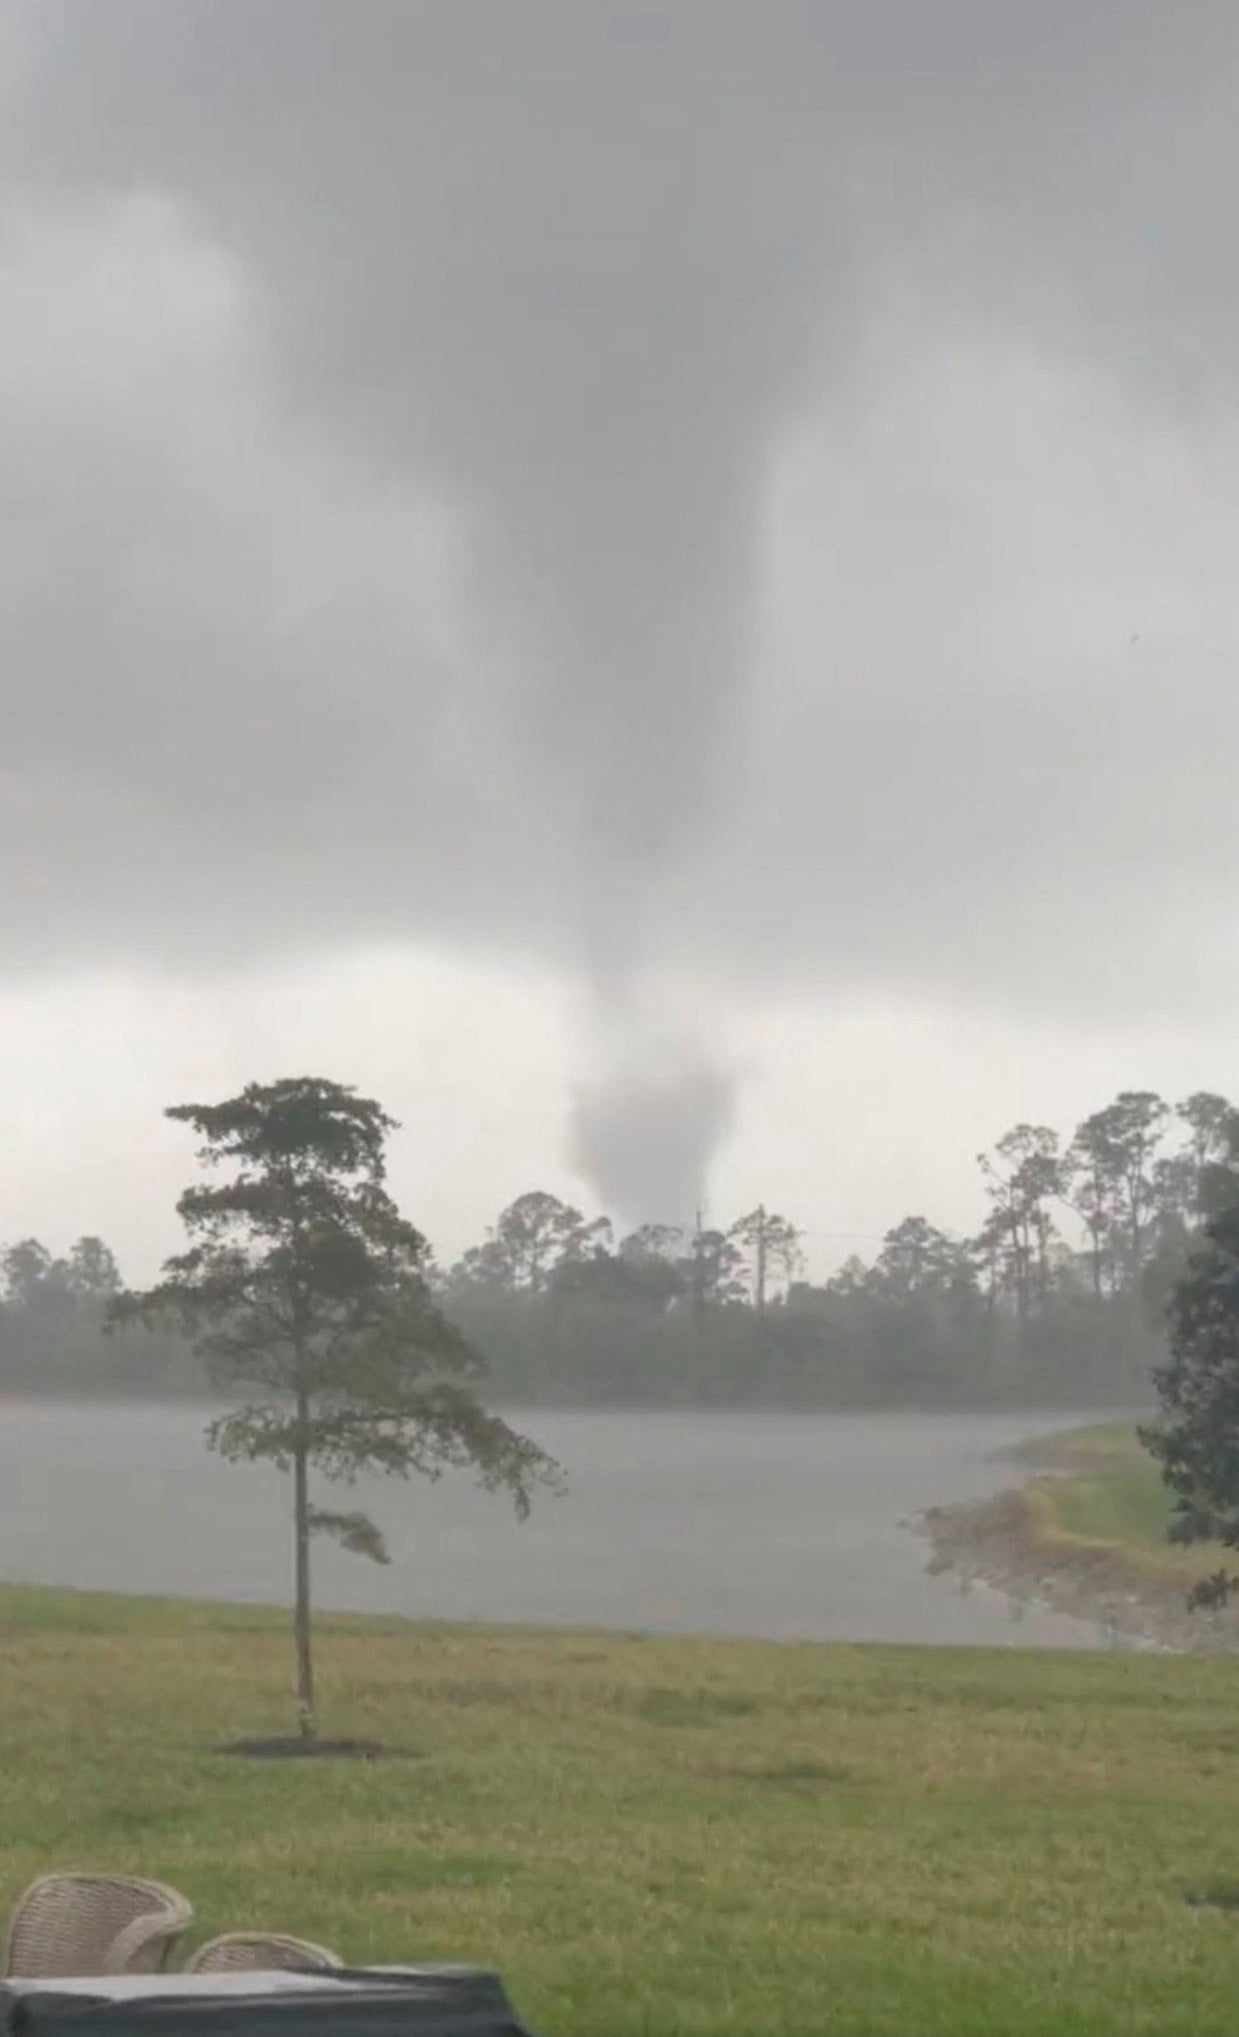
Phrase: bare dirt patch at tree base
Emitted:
{"points": [[293, 1748]]}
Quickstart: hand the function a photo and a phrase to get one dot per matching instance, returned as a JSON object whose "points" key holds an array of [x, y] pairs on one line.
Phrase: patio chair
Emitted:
{"points": [[70, 1924], [261, 1952]]}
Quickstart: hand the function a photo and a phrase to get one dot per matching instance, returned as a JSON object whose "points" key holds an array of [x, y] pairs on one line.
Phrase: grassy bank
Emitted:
{"points": [[660, 1836], [1109, 1498], [1088, 1533]]}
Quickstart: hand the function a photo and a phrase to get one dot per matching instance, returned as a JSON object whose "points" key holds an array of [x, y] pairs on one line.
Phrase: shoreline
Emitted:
{"points": [[1003, 1542]]}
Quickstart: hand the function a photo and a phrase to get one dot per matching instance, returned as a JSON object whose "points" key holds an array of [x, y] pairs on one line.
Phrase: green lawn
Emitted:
{"points": [[660, 1836], [1125, 1504], [1107, 1498], [1097, 1447]]}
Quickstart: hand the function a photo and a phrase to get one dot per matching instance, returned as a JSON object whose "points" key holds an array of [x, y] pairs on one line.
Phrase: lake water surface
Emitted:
{"points": [[789, 1526]]}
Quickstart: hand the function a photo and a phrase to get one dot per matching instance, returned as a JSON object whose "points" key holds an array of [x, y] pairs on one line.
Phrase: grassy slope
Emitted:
{"points": [[660, 1836], [1108, 1497]]}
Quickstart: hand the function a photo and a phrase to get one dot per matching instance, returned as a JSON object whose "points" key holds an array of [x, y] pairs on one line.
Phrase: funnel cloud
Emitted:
{"points": [[646, 1124], [626, 487]]}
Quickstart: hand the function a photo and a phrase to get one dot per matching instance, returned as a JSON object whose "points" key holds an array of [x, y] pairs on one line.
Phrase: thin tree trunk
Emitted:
{"points": [[760, 1274], [301, 1608], [1020, 1268]]}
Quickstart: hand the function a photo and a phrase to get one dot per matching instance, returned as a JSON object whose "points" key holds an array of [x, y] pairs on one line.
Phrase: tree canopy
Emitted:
{"points": [[304, 1286], [1196, 1441]]}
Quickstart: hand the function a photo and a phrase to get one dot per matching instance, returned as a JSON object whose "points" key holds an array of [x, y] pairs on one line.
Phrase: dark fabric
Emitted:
{"points": [[352, 2003]]}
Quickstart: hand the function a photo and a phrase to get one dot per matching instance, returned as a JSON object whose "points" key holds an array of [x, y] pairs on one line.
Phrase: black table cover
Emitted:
{"points": [[353, 2002]]}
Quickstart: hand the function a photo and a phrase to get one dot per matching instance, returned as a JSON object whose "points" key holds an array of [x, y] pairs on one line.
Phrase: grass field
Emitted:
{"points": [[660, 1836]]}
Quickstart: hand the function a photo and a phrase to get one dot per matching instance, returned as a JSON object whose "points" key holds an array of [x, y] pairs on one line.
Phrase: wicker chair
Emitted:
{"points": [[68, 1924], [261, 1952]]}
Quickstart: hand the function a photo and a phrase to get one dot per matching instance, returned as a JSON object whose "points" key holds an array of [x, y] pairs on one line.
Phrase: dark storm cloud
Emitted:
{"points": [[568, 277]]}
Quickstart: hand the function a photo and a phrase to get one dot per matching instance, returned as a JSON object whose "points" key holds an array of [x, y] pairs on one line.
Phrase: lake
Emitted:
{"points": [[786, 1526]]}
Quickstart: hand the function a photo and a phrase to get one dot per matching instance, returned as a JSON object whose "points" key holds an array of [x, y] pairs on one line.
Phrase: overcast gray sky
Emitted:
{"points": [[655, 582]]}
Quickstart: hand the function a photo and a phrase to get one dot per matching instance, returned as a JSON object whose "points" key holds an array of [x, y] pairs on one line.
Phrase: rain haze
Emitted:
{"points": [[654, 585], [620, 1069]]}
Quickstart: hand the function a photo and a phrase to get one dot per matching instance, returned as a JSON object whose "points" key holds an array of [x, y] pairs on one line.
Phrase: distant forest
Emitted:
{"points": [[1059, 1298]]}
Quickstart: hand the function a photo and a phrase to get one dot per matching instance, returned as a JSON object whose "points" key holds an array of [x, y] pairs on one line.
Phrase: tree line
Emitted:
{"points": [[1059, 1296], [53, 1317]]}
